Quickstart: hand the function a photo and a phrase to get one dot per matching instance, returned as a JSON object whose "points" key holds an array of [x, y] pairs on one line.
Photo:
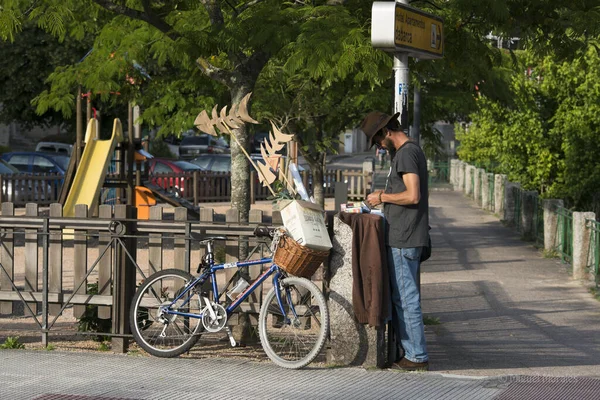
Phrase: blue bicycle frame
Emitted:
{"points": [[274, 269]]}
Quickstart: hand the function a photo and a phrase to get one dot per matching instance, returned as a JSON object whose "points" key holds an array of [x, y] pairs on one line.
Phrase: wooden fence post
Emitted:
{"points": [[180, 215], [7, 251], [80, 258], [155, 253], [195, 177], [55, 269], [252, 187], [31, 255], [255, 217], [105, 264]]}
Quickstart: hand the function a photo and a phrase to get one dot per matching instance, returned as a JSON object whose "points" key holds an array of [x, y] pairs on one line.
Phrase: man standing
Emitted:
{"points": [[406, 209]]}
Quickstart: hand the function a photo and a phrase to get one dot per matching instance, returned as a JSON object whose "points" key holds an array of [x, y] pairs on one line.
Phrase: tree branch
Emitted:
{"points": [[214, 73], [243, 8], [428, 2], [147, 16], [214, 12]]}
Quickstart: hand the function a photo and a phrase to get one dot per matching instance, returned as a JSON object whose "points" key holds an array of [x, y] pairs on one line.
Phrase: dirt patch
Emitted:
{"points": [[64, 336]]}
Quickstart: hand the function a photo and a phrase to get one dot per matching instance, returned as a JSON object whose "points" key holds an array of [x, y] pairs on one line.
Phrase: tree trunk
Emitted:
{"points": [[317, 180], [240, 170]]}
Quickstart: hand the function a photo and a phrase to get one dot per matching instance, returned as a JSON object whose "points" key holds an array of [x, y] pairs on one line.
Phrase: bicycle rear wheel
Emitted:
{"points": [[293, 338], [160, 334]]}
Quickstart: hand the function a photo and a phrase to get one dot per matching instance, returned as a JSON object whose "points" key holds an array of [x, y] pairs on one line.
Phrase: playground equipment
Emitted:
{"points": [[85, 178], [91, 171]]}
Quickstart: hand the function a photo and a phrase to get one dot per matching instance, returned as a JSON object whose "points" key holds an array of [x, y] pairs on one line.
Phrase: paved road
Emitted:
{"points": [[503, 308]]}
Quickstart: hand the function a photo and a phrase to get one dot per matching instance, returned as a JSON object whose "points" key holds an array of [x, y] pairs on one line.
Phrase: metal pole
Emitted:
{"points": [[416, 126], [45, 233], [79, 129], [401, 80], [130, 157]]}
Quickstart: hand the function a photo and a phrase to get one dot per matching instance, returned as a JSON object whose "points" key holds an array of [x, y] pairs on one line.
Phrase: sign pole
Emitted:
{"points": [[402, 81]]}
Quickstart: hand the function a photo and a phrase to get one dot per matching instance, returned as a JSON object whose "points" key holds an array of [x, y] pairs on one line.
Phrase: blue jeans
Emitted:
{"points": [[404, 267]]}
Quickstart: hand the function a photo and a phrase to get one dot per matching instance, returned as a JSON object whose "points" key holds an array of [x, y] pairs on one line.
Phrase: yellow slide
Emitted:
{"points": [[92, 168]]}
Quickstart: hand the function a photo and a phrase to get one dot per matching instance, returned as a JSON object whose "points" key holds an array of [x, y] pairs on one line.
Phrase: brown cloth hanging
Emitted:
{"points": [[370, 278]]}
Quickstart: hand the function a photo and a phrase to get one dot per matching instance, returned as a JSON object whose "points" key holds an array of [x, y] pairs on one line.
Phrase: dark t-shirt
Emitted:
{"points": [[408, 226]]}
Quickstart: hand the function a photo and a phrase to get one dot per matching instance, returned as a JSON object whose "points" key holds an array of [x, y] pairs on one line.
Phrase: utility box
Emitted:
{"points": [[305, 223]]}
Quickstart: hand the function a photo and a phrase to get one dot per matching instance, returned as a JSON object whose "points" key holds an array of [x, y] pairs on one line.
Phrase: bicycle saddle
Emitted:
{"points": [[203, 239]]}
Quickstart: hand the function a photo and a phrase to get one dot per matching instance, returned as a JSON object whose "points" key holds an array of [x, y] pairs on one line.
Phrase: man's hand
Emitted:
{"points": [[374, 199]]}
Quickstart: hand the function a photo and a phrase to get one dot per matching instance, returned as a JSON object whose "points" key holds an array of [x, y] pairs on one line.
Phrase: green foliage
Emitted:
{"points": [[104, 346], [312, 69], [89, 321], [50, 347], [546, 137], [158, 148], [12, 342], [24, 67]]}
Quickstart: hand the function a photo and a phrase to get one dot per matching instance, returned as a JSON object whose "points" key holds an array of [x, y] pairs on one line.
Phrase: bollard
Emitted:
{"points": [[469, 172], [581, 243], [485, 191], [551, 240], [477, 185], [528, 209], [462, 171], [452, 173], [510, 201], [499, 194]]}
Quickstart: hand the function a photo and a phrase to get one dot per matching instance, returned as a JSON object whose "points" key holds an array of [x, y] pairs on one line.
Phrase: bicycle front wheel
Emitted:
{"points": [[159, 333], [293, 338]]}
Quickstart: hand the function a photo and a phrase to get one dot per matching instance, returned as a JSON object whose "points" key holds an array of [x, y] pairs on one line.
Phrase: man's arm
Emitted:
{"points": [[412, 194]]}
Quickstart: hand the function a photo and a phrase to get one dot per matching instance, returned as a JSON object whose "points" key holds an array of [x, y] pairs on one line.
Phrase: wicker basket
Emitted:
{"points": [[296, 259]]}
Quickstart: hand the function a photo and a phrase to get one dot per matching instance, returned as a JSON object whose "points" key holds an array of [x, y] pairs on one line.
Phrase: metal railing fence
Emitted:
{"points": [[565, 234]]}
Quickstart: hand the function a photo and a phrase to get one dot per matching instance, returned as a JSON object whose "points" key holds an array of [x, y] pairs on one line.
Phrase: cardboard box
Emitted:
{"points": [[305, 223]]}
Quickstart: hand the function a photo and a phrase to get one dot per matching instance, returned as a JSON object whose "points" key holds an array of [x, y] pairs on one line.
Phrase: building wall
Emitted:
{"points": [[352, 141]]}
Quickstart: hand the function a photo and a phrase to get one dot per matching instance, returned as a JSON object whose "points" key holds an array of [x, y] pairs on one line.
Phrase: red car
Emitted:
{"points": [[172, 184]]}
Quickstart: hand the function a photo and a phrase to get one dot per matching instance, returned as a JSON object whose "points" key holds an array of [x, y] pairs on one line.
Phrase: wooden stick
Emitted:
{"points": [[250, 159]]}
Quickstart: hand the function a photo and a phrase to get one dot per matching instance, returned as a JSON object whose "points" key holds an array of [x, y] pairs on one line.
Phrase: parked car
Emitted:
{"points": [[222, 162], [55, 147], [171, 184], [213, 162], [37, 162], [192, 146], [24, 190]]}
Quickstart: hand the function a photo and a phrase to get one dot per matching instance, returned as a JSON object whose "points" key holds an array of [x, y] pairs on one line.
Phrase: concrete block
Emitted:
{"points": [[510, 200], [499, 194], [351, 343], [477, 184], [582, 235], [551, 237], [529, 200], [469, 177], [485, 191], [460, 176]]}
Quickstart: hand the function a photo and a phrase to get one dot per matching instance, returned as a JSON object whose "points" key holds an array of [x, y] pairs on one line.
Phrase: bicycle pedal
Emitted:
{"points": [[232, 341]]}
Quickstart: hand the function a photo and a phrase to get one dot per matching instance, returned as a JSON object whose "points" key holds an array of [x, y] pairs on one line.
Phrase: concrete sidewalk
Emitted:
{"points": [[503, 308], [26, 375]]}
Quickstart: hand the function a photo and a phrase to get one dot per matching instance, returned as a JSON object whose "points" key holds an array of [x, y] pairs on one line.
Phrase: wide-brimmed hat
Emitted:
{"points": [[374, 122]]}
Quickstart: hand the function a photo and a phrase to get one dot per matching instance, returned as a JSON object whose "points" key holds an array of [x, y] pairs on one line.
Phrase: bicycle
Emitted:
{"points": [[172, 308]]}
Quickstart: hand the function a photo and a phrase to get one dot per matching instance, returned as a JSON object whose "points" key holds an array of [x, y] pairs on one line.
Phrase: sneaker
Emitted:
{"points": [[407, 365]]}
